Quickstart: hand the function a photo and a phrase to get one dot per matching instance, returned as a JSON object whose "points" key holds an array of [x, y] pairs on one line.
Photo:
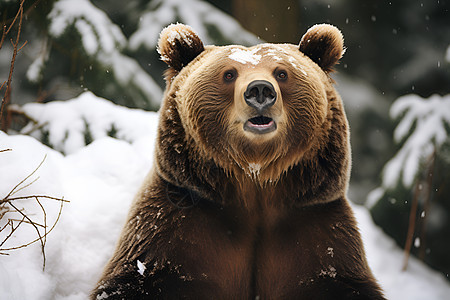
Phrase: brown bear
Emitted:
{"points": [[247, 196]]}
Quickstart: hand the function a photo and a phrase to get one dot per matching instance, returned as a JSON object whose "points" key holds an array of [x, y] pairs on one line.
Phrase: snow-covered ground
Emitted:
{"points": [[100, 180]]}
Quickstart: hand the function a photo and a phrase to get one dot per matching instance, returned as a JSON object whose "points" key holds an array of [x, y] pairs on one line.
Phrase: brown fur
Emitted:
{"points": [[228, 214], [324, 45]]}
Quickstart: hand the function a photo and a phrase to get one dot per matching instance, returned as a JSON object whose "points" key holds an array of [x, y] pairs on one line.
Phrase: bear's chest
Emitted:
{"points": [[242, 256]]}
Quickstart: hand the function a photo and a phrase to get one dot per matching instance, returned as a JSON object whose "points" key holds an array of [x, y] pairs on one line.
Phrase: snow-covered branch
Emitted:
{"points": [[423, 127], [68, 122], [103, 40], [209, 23]]}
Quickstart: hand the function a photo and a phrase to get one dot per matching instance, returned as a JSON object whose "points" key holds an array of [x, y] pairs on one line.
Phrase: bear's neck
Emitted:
{"points": [[252, 195], [319, 180], [310, 182]]}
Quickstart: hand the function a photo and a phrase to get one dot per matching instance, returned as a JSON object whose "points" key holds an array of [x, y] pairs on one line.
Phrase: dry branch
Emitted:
{"points": [[413, 212], [9, 206], [411, 226], [6, 99]]}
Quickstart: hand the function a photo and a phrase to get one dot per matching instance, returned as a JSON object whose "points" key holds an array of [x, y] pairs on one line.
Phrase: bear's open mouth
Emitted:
{"points": [[260, 125]]}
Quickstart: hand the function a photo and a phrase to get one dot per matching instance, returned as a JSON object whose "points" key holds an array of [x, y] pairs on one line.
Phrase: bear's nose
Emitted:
{"points": [[260, 94]]}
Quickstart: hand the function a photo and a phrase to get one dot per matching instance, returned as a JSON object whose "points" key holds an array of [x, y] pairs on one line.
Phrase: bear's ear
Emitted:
{"points": [[178, 45], [324, 44]]}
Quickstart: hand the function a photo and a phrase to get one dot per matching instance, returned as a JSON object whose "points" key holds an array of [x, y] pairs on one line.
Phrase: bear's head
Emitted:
{"points": [[265, 114]]}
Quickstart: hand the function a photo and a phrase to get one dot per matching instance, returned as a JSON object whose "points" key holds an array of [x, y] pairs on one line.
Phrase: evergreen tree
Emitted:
{"points": [[412, 204], [75, 46]]}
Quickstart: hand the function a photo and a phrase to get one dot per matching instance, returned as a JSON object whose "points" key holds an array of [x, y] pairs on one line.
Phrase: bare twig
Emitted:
{"points": [[25, 221], [45, 224], [25, 14], [414, 206], [34, 241], [411, 226], [25, 186], [13, 229], [32, 224], [427, 204], [33, 196], [3, 84], [7, 96], [14, 189], [12, 224], [6, 30]]}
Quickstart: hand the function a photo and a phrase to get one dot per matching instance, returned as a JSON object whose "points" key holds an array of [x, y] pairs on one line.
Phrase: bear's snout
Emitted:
{"points": [[260, 95]]}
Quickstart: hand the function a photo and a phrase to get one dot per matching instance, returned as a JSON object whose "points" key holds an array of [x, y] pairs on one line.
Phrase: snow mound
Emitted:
{"points": [[68, 123], [100, 181], [385, 258]]}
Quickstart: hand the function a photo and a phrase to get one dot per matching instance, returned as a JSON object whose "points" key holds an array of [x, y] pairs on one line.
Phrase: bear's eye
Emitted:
{"points": [[229, 75], [282, 75]]}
